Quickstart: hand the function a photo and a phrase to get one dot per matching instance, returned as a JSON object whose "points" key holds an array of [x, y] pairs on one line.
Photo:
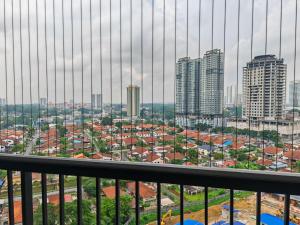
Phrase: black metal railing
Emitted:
{"points": [[232, 179]]}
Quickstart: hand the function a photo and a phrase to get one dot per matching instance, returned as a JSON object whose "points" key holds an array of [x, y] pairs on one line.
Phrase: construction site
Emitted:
{"points": [[244, 212]]}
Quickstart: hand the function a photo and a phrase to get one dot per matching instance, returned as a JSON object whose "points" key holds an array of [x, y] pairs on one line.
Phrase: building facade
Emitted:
{"points": [[264, 88], [294, 93], [97, 101], [200, 87], [133, 101]]}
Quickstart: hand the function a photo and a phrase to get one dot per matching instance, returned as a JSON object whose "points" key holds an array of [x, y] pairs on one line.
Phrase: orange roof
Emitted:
{"points": [[130, 141], [110, 192], [145, 191], [264, 162], [271, 150], [97, 156], [152, 157], [54, 199], [176, 155], [291, 154], [18, 212], [79, 156]]}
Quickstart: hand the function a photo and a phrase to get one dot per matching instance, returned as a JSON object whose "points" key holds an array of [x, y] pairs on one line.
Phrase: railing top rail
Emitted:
{"points": [[262, 181]]}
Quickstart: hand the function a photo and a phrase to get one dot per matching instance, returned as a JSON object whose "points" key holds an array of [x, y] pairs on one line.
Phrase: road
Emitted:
{"points": [[31, 144], [70, 190], [124, 151]]}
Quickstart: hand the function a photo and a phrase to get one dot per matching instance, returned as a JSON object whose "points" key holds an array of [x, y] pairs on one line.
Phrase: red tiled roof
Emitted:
{"points": [[152, 157], [176, 155], [54, 199], [145, 191], [18, 212], [292, 154], [129, 141], [110, 192], [272, 150], [265, 162]]}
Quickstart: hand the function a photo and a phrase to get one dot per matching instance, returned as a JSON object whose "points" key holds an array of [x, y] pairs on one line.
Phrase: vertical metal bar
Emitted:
{"points": [[5, 68], [231, 208], [91, 71], [224, 47], [142, 65], [55, 74], [38, 71], [111, 76], [44, 199], [258, 207], [294, 78], [46, 72], [251, 56], [26, 192], [98, 201], [14, 65], [237, 75], [73, 74], [152, 73], [82, 74], [61, 199], [158, 202], [287, 209], [10, 187], [131, 105], [181, 204], [121, 76], [79, 201], [175, 71], [206, 205], [164, 50], [22, 78], [137, 203], [117, 206], [64, 69]]}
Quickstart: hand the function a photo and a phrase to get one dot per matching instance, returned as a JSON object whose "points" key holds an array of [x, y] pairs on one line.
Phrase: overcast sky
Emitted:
{"points": [[92, 67]]}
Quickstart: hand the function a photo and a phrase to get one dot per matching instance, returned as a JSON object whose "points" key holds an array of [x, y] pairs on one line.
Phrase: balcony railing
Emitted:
{"points": [[69, 68], [231, 179]]}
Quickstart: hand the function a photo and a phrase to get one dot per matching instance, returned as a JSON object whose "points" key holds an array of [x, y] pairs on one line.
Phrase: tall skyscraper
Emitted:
{"points": [[43, 101], [264, 87], [133, 100], [96, 101], [200, 87], [212, 83], [294, 93], [187, 86], [200, 84], [2, 101]]}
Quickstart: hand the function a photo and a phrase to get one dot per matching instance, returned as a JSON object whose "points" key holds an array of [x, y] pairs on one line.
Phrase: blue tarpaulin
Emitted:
{"points": [[268, 219], [190, 222], [222, 222]]}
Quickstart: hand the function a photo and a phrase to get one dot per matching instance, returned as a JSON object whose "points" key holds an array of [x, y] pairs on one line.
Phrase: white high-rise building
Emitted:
{"points": [[264, 88], [294, 93], [133, 100], [212, 83]]}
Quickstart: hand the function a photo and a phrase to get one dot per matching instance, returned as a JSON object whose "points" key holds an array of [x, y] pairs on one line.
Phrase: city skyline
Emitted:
{"points": [[230, 55]]}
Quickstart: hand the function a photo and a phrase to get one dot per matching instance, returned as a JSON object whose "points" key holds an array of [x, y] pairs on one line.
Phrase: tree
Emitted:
{"points": [[108, 212], [298, 166], [106, 121], [202, 126], [53, 215], [70, 215]]}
